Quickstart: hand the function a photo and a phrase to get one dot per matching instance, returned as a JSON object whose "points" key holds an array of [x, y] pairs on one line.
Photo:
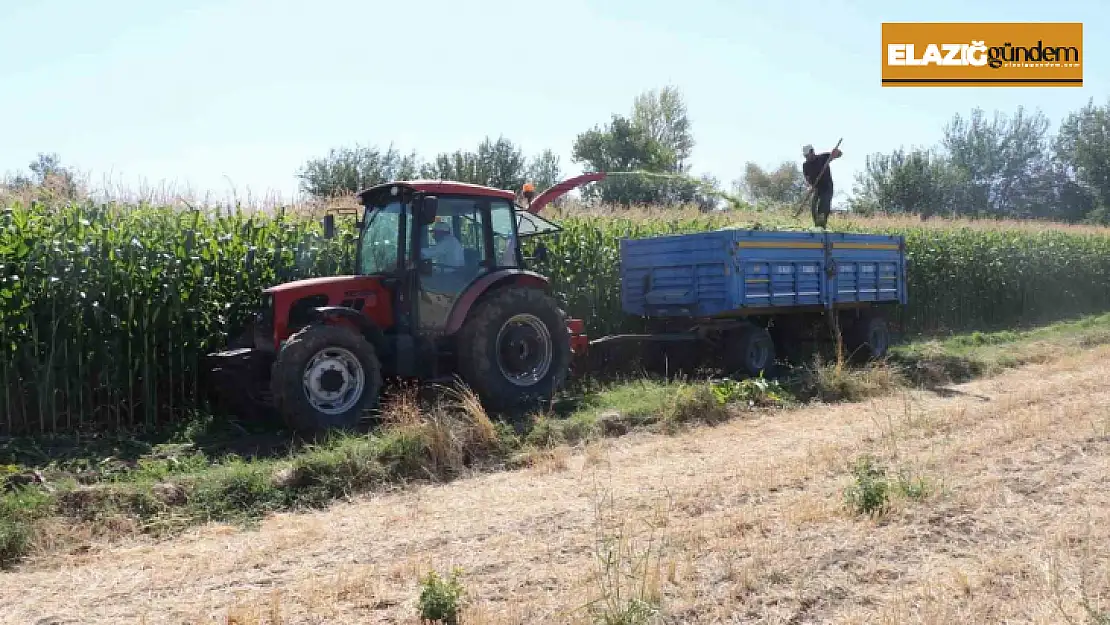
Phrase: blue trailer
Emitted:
{"points": [[746, 296]]}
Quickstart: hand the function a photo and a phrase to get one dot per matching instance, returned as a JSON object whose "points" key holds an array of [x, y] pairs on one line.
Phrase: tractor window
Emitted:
{"points": [[504, 247], [378, 253], [528, 224], [454, 243]]}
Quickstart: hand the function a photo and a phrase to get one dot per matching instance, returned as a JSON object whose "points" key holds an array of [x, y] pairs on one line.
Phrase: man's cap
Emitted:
{"points": [[806, 149]]}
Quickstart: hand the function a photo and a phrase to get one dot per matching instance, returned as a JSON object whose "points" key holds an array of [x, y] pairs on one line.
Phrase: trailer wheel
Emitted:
{"points": [[869, 338], [324, 378], [752, 351], [514, 350]]}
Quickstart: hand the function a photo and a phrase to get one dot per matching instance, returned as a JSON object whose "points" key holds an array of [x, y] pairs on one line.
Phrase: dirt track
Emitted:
{"points": [[752, 527]]}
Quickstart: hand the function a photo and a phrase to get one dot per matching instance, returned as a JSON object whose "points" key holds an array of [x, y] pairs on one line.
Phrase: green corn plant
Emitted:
{"points": [[106, 309]]}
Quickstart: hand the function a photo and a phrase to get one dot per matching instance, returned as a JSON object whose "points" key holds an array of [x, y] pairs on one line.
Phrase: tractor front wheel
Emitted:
{"points": [[514, 350], [324, 378]]}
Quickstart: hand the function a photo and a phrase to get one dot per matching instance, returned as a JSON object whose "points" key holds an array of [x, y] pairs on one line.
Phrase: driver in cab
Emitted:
{"points": [[447, 253]]}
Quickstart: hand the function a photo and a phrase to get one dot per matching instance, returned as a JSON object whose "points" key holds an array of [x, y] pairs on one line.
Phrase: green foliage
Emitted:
{"points": [[1003, 166], [1082, 145], [662, 114], [922, 182], [349, 170], [870, 492], [48, 178], [656, 138], [623, 146], [19, 509], [440, 599], [785, 184], [913, 487], [751, 391], [496, 163], [107, 309]]}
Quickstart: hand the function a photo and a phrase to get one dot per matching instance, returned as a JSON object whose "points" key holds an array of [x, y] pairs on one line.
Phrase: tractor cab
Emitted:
{"points": [[431, 241], [438, 290]]}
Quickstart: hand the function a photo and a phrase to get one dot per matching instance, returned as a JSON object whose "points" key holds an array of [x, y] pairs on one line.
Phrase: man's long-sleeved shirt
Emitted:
{"points": [[446, 252], [812, 168]]}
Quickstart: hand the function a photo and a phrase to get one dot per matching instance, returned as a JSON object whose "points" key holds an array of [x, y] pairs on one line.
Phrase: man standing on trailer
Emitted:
{"points": [[819, 177]]}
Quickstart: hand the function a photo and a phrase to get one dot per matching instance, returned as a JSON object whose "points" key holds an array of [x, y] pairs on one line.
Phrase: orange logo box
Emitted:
{"points": [[956, 54]]}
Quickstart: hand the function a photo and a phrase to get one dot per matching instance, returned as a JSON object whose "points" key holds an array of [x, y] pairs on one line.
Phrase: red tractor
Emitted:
{"points": [[439, 289]]}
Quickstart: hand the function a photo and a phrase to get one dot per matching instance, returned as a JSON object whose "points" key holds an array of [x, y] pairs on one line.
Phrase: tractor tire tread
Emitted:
{"points": [[286, 380], [477, 354]]}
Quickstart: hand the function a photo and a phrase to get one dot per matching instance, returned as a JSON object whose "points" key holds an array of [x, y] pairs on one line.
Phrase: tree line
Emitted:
{"points": [[999, 166], [1012, 165], [654, 138]]}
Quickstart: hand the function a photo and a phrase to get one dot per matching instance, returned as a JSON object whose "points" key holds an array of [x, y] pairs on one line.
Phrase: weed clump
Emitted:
{"points": [[19, 511], [836, 382], [870, 492], [873, 487], [441, 599], [754, 392]]}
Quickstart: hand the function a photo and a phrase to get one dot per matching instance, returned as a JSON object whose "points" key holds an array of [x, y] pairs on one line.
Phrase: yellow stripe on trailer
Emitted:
{"points": [[865, 246], [775, 244], [809, 245]]}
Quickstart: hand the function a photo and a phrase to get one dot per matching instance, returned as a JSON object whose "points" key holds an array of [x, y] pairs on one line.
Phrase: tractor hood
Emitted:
{"points": [[297, 285]]}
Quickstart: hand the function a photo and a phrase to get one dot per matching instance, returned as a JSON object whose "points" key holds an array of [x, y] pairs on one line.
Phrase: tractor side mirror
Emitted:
{"points": [[329, 226], [429, 209]]}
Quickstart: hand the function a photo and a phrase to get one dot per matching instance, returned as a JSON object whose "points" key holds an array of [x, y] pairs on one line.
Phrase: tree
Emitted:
{"points": [[662, 114], [498, 164], [1005, 160], [918, 181], [1082, 148], [1003, 166], [624, 146], [784, 184], [349, 170], [544, 170], [49, 175], [646, 155]]}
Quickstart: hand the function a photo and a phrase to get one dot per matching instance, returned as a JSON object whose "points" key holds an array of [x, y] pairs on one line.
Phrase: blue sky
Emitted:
{"points": [[236, 94]]}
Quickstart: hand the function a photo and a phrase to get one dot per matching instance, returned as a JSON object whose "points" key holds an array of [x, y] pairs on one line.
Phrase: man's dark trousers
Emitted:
{"points": [[819, 206]]}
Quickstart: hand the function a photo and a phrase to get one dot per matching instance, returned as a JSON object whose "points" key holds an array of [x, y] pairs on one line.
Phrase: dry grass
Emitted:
{"points": [[741, 522]]}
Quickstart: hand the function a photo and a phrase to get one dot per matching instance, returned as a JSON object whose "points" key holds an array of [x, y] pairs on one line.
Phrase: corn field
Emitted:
{"points": [[108, 309]]}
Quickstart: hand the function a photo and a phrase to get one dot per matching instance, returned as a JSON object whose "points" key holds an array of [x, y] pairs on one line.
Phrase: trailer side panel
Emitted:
{"points": [[736, 272]]}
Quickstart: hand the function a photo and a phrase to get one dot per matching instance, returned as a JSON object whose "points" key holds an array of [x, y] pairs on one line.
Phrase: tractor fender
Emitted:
{"points": [[353, 318], [485, 284]]}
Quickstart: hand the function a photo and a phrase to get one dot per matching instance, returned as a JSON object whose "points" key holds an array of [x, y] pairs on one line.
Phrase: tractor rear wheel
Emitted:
{"points": [[514, 351], [324, 378]]}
